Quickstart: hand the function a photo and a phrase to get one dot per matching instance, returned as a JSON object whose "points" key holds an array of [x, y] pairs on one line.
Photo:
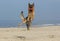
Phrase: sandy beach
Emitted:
{"points": [[47, 33]]}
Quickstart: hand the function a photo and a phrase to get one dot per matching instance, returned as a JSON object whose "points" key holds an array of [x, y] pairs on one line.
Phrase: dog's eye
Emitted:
{"points": [[30, 6]]}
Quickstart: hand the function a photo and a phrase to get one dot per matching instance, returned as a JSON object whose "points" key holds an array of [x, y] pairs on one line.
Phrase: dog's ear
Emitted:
{"points": [[33, 4], [29, 4]]}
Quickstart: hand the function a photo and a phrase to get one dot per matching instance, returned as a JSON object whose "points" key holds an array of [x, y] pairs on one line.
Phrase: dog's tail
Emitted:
{"points": [[22, 17]]}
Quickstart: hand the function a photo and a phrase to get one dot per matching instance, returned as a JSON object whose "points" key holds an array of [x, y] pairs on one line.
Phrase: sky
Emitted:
{"points": [[44, 10]]}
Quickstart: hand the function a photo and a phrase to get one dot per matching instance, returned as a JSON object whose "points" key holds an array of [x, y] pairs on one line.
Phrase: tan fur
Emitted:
{"points": [[30, 16]]}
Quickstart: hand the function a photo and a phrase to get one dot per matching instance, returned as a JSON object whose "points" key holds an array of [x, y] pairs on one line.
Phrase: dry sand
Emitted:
{"points": [[48, 33]]}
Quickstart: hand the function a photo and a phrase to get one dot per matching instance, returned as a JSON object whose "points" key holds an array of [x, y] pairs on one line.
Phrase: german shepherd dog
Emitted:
{"points": [[30, 17]]}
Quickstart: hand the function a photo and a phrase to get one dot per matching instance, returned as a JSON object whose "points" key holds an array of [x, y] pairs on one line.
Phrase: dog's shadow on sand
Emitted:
{"points": [[21, 37]]}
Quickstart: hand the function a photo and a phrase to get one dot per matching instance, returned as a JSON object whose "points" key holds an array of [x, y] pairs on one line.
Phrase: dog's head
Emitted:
{"points": [[31, 7]]}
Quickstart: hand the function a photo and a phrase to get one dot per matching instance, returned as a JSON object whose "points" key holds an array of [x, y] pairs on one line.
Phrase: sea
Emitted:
{"points": [[15, 23]]}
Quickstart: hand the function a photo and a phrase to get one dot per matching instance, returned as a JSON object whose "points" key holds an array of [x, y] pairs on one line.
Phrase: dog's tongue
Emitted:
{"points": [[30, 8]]}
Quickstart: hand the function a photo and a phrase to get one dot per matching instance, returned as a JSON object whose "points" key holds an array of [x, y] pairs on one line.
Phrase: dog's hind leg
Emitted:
{"points": [[28, 24]]}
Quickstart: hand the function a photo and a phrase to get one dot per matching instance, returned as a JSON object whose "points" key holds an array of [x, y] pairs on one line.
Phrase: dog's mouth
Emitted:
{"points": [[30, 9]]}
